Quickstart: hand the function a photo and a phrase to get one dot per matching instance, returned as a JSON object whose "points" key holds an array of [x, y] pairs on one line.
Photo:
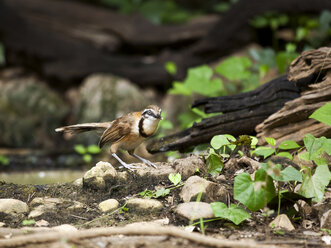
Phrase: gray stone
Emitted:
{"points": [[25, 97], [189, 166], [42, 205], [42, 223], [194, 210], [282, 222], [99, 175], [65, 228], [323, 211], [104, 97], [325, 220], [108, 205], [144, 204], [78, 182], [13, 206], [211, 192]]}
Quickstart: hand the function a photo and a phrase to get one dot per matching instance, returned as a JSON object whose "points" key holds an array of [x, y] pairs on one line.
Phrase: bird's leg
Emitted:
{"points": [[145, 161], [128, 166]]}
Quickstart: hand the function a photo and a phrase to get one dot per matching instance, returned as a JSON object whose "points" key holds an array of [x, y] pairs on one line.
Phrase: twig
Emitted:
{"points": [[131, 230]]}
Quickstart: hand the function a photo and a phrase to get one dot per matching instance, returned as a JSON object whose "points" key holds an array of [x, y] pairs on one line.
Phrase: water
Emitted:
{"points": [[41, 177]]}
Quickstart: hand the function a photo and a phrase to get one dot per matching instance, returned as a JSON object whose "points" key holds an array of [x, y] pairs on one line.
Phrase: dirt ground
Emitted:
{"points": [[97, 229]]}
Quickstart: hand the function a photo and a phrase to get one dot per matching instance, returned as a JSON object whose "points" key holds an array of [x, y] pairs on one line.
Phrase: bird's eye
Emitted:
{"points": [[149, 112]]}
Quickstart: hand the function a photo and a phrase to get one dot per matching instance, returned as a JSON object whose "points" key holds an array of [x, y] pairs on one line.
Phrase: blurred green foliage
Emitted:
{"points": [[87, 152], [156, 11], [2, 55]]}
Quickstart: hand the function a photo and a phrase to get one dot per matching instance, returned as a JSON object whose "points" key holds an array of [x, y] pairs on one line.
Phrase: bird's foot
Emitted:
{"points": [[147, 162], [129, 166]]}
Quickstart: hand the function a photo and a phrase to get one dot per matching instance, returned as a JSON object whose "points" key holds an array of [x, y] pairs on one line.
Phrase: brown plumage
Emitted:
{"points": [[126, 132]]}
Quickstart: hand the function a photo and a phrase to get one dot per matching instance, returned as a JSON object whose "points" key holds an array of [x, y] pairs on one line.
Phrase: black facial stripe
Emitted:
{"points": [[141, 128]]}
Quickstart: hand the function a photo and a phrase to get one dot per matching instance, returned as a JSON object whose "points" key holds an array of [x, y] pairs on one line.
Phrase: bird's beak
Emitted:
{"points": [[159, 116]]}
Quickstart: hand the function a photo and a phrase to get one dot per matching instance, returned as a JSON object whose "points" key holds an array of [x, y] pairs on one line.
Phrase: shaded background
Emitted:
{"points": [[66, 62]]}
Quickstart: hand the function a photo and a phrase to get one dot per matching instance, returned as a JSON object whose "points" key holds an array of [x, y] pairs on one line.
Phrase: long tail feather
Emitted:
{"points": [[85, 127]]}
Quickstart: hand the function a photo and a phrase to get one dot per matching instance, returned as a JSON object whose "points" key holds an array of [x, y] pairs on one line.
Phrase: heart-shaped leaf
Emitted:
{"points": [[234, 213], [175, 179], [254, 194]]}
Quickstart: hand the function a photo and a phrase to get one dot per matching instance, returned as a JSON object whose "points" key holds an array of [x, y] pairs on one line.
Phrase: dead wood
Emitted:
{"points": [[292, 121], [148, 229], [241, 113]]}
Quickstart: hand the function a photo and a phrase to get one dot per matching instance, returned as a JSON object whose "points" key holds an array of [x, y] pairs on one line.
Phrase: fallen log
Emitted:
{"points": [[278, 109], [241, 113], [67, 40], [310, 70]]}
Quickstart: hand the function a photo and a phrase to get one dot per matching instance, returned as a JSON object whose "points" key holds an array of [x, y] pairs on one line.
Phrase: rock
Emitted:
{"points": [[194, 210], [78, 182], [108, 205], [163, 170], [323, 211], [144, 204], [325, 220], [2, 224], [282, 222], [26, 97], [65, 228], [104, 97], [99, 176], [211, 192], [42, 223], [327, 239], [45, 201], [42, 205], [189, 166], [13, 206], [156, 223]]}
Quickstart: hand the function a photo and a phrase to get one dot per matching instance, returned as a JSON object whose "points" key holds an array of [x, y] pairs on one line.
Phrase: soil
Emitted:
{"points": [[91, 218]]}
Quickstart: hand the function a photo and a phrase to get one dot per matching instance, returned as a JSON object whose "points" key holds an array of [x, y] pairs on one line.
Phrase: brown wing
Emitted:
{"points": [[119, 128]]}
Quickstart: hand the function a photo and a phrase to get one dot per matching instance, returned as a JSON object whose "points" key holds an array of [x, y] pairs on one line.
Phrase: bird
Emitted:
{"points": [[126, 132]]}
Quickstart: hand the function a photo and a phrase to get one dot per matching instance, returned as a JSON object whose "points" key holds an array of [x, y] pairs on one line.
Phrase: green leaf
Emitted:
{"points": [[254, 141], [171, 67], [270, 141], [146, 194], [214, 163], [264, 151], [314, 186], [28, 222], [199, 80], [161, 193], [179, 88], [80, 149], [235, 68], [4, 160], [234, 213], [87, 158], [286, 175], [290, 174], [175, 179], [218, 141], [94, 149], [2, 55], [327, 146], [285, 154], [323, 114], [314, 146], [288, 145], [254, 194]]}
